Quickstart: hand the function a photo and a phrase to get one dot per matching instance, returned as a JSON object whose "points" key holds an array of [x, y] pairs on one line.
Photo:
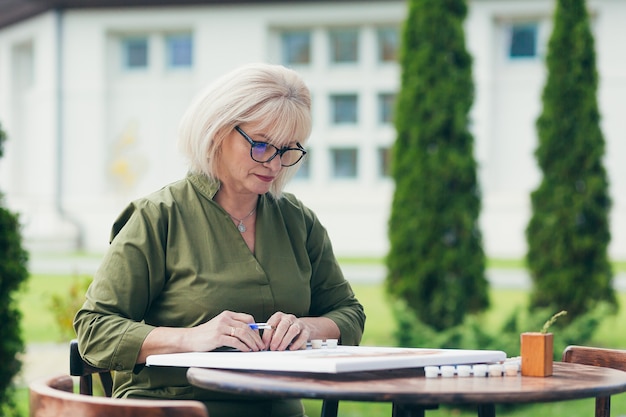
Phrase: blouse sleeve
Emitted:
{"points": [[109, 326], [331, 293]]}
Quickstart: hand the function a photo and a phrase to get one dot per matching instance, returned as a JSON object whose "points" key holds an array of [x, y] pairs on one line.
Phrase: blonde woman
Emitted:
{"points": [[193, 264]]}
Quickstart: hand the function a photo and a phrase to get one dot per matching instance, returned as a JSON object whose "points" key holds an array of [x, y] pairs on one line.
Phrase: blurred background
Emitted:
{"points": [[91, 93]]}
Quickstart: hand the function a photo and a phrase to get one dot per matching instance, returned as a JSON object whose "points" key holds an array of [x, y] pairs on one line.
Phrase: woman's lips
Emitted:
{"points": [[264, 178]]}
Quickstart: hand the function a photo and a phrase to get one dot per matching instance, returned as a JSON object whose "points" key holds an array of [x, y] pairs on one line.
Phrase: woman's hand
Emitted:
{"points": [[287, 332], [232, 329], [228, 329]]}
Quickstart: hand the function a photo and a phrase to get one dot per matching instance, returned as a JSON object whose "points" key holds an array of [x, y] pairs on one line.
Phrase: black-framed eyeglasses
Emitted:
{"points": [[264, 152]]}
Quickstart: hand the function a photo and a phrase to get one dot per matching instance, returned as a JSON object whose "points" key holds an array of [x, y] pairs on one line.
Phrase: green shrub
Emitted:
{"points": [[436, 263], [64, 307], [13, 273], [473, 334], [568, 233]]}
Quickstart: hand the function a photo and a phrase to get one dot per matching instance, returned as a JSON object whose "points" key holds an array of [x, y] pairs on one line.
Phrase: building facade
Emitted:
{"points": [[91, 96]]}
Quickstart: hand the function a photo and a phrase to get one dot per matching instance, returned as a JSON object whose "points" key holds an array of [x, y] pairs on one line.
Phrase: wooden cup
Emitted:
{"points": [[537, 350]]}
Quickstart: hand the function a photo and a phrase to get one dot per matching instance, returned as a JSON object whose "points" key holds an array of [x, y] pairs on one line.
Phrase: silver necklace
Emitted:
{"points": [[242, 227]]}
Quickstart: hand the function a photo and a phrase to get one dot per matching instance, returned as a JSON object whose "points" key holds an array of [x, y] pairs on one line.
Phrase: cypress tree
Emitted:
{"points": [[436, 263], [13, 273], [568, 233]]}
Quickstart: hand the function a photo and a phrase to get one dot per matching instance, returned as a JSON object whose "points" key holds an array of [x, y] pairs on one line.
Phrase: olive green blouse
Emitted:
{"points": [[176, 259]]}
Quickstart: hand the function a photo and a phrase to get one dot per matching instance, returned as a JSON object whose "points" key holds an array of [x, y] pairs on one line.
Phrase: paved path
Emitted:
{"points": [[42, 360]]}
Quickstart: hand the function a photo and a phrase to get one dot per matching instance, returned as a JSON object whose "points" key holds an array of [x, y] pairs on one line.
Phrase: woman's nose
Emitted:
{"points": [[274, 164]]}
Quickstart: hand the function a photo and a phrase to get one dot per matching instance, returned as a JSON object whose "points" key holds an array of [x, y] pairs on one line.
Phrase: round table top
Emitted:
{"points": [[569, 381]]}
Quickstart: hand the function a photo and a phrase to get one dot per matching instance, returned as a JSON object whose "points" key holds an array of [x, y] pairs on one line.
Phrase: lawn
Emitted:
{"points": [[39, 326]]}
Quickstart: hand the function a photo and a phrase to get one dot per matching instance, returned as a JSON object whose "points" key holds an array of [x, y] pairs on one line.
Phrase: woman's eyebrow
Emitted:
{"points": [[267, 139]]}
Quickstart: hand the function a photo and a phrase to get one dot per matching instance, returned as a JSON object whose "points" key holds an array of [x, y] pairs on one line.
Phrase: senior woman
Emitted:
{"points": [[190, 266]]}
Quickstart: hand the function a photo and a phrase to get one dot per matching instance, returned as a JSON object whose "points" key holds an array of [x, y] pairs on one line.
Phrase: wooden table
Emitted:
{"points": [[410, 392]]}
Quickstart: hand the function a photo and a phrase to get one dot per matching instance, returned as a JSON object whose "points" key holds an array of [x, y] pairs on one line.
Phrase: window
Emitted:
{"points": [[523, 40], [343, 108], [386, 103], [296, 47], [179, 50], [304, 166], [135, 52], [344, 46], [384, 162], [388, 40], [344, 162]]}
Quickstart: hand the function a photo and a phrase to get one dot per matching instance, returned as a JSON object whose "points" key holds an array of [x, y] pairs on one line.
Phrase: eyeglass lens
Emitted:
{"points": [[263, 152]]}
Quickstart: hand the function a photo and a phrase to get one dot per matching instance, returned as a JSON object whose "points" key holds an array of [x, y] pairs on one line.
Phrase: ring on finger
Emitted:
{"points": [[232, 331]]}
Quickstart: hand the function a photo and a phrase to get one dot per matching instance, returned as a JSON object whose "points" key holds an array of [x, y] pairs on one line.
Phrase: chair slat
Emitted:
{"points": [[593, 356]]}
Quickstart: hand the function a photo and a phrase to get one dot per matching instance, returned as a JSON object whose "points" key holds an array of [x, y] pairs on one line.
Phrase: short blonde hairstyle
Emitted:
{"points": [[272, 96]]}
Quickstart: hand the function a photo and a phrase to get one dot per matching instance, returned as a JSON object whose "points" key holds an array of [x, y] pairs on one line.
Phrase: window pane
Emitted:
{"points": [[344, 108], [344, 162], [304, 166], [179, 51], [296, 47], [384, 162], [344, 45], [388, 40], [523, 41], [135, 52], [386, 103]]}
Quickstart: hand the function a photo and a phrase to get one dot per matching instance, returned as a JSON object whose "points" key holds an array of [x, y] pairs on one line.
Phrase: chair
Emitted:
{"points": [[85, 372], [54, 397], [607, 358]]}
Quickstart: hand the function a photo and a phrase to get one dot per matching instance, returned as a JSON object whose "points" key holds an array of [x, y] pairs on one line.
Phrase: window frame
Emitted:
{"points": [[386, 107], [286, 48], [517, 30], [337, 166], [169, 40], [340, 115], [127, 53], [344, 50], [383, 161], [387, 53]]}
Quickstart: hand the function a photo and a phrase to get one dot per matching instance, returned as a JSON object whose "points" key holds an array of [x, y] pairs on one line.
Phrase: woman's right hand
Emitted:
{"points": [[228, 329]]}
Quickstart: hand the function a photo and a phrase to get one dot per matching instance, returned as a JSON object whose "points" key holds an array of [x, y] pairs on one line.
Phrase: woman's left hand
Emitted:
{"points": [[287, 332]]}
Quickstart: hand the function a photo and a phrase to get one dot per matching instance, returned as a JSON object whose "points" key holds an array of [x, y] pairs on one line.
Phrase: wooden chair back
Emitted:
{"points": [[54, 397], [85, 372], [607, 358]]}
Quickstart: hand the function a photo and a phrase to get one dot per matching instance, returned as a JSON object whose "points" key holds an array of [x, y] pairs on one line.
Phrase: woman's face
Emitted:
{"points": [[238, 172]]}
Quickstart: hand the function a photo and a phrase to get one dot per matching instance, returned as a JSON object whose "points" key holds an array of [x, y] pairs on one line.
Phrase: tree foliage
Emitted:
{"points": [[568, 233], [436, 263], [13, 273]]}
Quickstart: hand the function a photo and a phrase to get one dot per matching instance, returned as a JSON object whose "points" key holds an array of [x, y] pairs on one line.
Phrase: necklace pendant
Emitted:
{"points": [[241, 227]]}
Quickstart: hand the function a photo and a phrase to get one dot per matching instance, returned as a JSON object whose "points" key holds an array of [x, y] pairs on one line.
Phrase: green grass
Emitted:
{"points": [[39, 326]]}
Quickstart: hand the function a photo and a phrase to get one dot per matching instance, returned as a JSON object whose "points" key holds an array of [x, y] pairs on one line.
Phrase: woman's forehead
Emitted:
{"points": [[278, 134]]}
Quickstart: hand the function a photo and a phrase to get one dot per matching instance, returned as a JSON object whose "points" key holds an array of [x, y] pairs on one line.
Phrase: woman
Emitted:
{"points": [[193, 264]]}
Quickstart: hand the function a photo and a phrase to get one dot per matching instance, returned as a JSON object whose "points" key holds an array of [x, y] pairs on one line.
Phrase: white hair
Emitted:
{"points": [[271, 96]]}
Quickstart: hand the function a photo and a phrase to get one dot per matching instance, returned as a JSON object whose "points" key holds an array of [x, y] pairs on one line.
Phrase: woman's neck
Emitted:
{"points": [[237, 206]]}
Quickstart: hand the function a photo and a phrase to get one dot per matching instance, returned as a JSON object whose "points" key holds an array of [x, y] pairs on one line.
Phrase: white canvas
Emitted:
{"points": [[329, 360]]}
